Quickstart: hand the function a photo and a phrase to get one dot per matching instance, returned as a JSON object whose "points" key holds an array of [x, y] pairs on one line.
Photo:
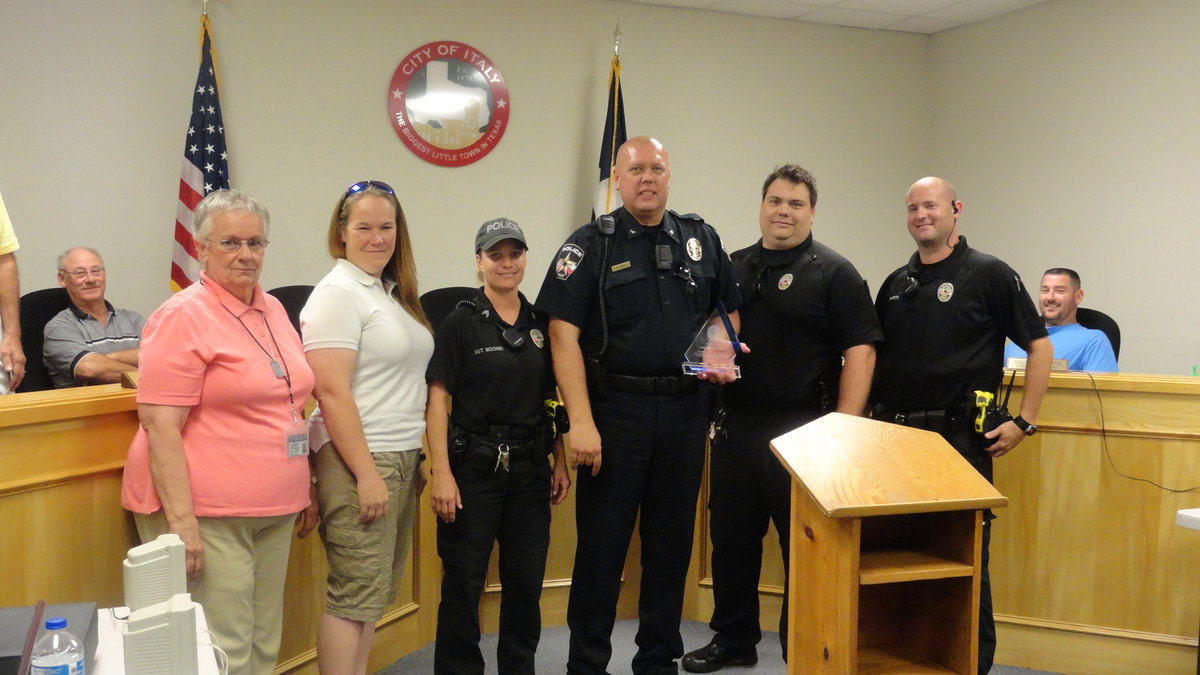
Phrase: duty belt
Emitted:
{"points": [[661, 385], [510, 433], [940, 421]]}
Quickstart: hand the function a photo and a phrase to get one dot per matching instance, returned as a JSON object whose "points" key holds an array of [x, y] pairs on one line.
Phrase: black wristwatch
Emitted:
{"points": [[1028, 427]]}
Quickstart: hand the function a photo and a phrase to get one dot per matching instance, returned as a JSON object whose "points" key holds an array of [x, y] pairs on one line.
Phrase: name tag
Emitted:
{"points": [[295, 439]]}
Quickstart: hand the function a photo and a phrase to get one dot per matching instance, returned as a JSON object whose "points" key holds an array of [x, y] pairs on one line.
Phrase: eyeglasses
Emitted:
{"points": [[83, 274], [256, 245]]}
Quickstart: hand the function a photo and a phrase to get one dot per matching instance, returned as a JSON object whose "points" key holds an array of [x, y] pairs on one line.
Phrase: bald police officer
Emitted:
{"points": [[626, 296], [945, 316]]}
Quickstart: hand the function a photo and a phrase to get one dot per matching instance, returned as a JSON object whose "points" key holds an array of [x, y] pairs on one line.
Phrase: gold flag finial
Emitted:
{"points": [[617, 40]]}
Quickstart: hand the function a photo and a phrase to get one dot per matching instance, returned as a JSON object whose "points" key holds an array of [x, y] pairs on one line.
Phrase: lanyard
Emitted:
{"points": [[281, 372]]}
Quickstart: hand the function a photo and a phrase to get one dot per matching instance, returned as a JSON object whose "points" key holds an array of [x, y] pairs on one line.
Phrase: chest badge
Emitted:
{"points": [[693, 249], [569, 258], [945, 292], [539, 340], [785, 281]]}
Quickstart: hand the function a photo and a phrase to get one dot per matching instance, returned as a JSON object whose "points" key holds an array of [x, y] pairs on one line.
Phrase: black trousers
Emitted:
{"points": [[652, 459], [971, 446], [749, 490], [512, 508]]}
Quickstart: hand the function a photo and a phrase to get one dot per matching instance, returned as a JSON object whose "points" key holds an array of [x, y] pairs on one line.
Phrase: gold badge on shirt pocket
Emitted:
{"points": [[945, 292], [785, 281]]}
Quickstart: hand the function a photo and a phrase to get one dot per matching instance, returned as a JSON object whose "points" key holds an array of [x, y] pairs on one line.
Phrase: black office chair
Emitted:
{"points": [[293, 299], [1097, 320], [37, 308], [439, 302]]}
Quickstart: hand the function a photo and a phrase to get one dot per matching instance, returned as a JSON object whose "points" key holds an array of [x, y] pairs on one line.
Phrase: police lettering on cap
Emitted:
{"points": [[495, 231]]}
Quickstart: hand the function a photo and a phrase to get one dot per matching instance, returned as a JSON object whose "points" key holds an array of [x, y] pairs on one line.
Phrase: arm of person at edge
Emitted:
{"points": [[311, 515], [169, 471], [725, 377], [333, 367], [572, 383], [854, 385], [444, 496], [97, 368], [560, 479], [12, 356], [1037, 380]]}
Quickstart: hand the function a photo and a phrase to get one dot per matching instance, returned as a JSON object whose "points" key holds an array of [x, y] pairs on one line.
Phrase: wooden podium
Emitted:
{"points": [[885, 549]]}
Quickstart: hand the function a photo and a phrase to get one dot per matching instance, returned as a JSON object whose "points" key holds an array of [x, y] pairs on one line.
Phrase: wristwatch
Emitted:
{"points": [[1028, 427]]}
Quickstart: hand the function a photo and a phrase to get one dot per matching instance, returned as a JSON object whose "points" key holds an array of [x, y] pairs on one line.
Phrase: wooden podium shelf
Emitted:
{"points": [[885, 550]]}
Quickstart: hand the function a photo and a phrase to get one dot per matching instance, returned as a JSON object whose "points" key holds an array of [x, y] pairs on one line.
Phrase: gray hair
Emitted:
{"points": [[62, 257], [221, 201]]}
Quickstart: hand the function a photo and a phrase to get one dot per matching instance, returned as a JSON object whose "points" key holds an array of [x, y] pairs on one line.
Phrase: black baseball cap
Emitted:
{"points": [[495, 231]]}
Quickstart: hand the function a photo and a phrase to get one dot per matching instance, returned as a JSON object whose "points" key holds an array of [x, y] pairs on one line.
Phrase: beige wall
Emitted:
{"points": [[96, 97], [1072, 131], [1069, 128]]}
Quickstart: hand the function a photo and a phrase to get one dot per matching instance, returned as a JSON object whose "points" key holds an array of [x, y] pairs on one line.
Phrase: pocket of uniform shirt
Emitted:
{"points": [[703, 275], [627, 294]]}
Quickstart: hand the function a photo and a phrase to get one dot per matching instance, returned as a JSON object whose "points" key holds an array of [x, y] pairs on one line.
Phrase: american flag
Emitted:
{"points": [[614, 136], [205, 162]]}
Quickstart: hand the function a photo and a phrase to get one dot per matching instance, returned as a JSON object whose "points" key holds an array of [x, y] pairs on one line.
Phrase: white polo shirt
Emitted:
{"points": [[350, 309]]}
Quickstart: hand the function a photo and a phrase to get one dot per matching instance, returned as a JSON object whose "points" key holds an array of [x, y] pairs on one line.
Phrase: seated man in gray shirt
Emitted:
{"points": [[89, 342]]}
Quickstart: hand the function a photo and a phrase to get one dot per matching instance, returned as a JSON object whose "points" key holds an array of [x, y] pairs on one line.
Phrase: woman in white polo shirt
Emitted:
{"points": [[368, 343]]}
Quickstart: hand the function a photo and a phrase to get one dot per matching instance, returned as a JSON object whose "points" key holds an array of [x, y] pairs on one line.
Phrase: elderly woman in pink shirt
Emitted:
{"points": [[221, 456]]}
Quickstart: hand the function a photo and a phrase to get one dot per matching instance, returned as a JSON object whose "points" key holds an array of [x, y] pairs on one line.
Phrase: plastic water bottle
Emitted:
{"points": [[58, 652]]}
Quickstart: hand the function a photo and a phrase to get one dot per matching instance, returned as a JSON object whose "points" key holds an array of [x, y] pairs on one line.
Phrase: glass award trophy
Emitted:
{"points": [[714, 348]]}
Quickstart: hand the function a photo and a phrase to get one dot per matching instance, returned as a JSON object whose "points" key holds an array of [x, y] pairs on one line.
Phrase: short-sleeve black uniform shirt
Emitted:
{"points": [[492, 382], [944, 327], [652, 313], [801, 308]]}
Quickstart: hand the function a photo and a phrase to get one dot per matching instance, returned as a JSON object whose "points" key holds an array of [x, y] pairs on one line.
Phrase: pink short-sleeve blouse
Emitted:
{"points": [[206, 350]]}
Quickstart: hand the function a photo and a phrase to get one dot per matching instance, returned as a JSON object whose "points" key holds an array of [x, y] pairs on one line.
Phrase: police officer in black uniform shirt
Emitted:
{"points": [[637, 423], [491, 480], [945, 316], [804, 308]]}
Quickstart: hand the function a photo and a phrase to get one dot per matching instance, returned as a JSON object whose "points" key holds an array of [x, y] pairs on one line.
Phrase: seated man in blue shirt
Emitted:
{"points": [[1083, 348], [89, 342]]}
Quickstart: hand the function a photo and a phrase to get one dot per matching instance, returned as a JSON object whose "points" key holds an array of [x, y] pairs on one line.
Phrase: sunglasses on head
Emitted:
{"points": [[364, 184]]}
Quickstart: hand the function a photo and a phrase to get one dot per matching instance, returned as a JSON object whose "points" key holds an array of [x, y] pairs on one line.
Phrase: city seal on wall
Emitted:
{"points": [[448, 103]]}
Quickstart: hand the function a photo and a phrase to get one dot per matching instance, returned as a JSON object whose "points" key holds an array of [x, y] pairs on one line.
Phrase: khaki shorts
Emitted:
{"points": [[366, 559]]}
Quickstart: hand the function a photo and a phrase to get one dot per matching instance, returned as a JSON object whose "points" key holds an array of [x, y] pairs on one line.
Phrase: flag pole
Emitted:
{"points": [[614, 128]]}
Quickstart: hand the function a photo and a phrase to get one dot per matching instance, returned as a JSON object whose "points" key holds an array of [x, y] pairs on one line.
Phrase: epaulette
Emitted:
{"points": [[688, 216]]}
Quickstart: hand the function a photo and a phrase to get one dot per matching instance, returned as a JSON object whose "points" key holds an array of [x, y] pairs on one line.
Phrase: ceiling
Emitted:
{"points": [[910, 16]]}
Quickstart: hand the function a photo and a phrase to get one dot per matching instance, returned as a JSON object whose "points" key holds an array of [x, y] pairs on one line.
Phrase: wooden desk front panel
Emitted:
{"points": [[61, 457], [1083, 550]]}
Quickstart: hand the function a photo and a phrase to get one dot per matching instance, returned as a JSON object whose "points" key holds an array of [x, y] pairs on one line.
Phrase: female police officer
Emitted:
{"points": [[491, 480]]}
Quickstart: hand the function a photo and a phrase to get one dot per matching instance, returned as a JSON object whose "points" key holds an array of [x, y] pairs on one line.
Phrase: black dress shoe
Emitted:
{"points": [[713, 657]]}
